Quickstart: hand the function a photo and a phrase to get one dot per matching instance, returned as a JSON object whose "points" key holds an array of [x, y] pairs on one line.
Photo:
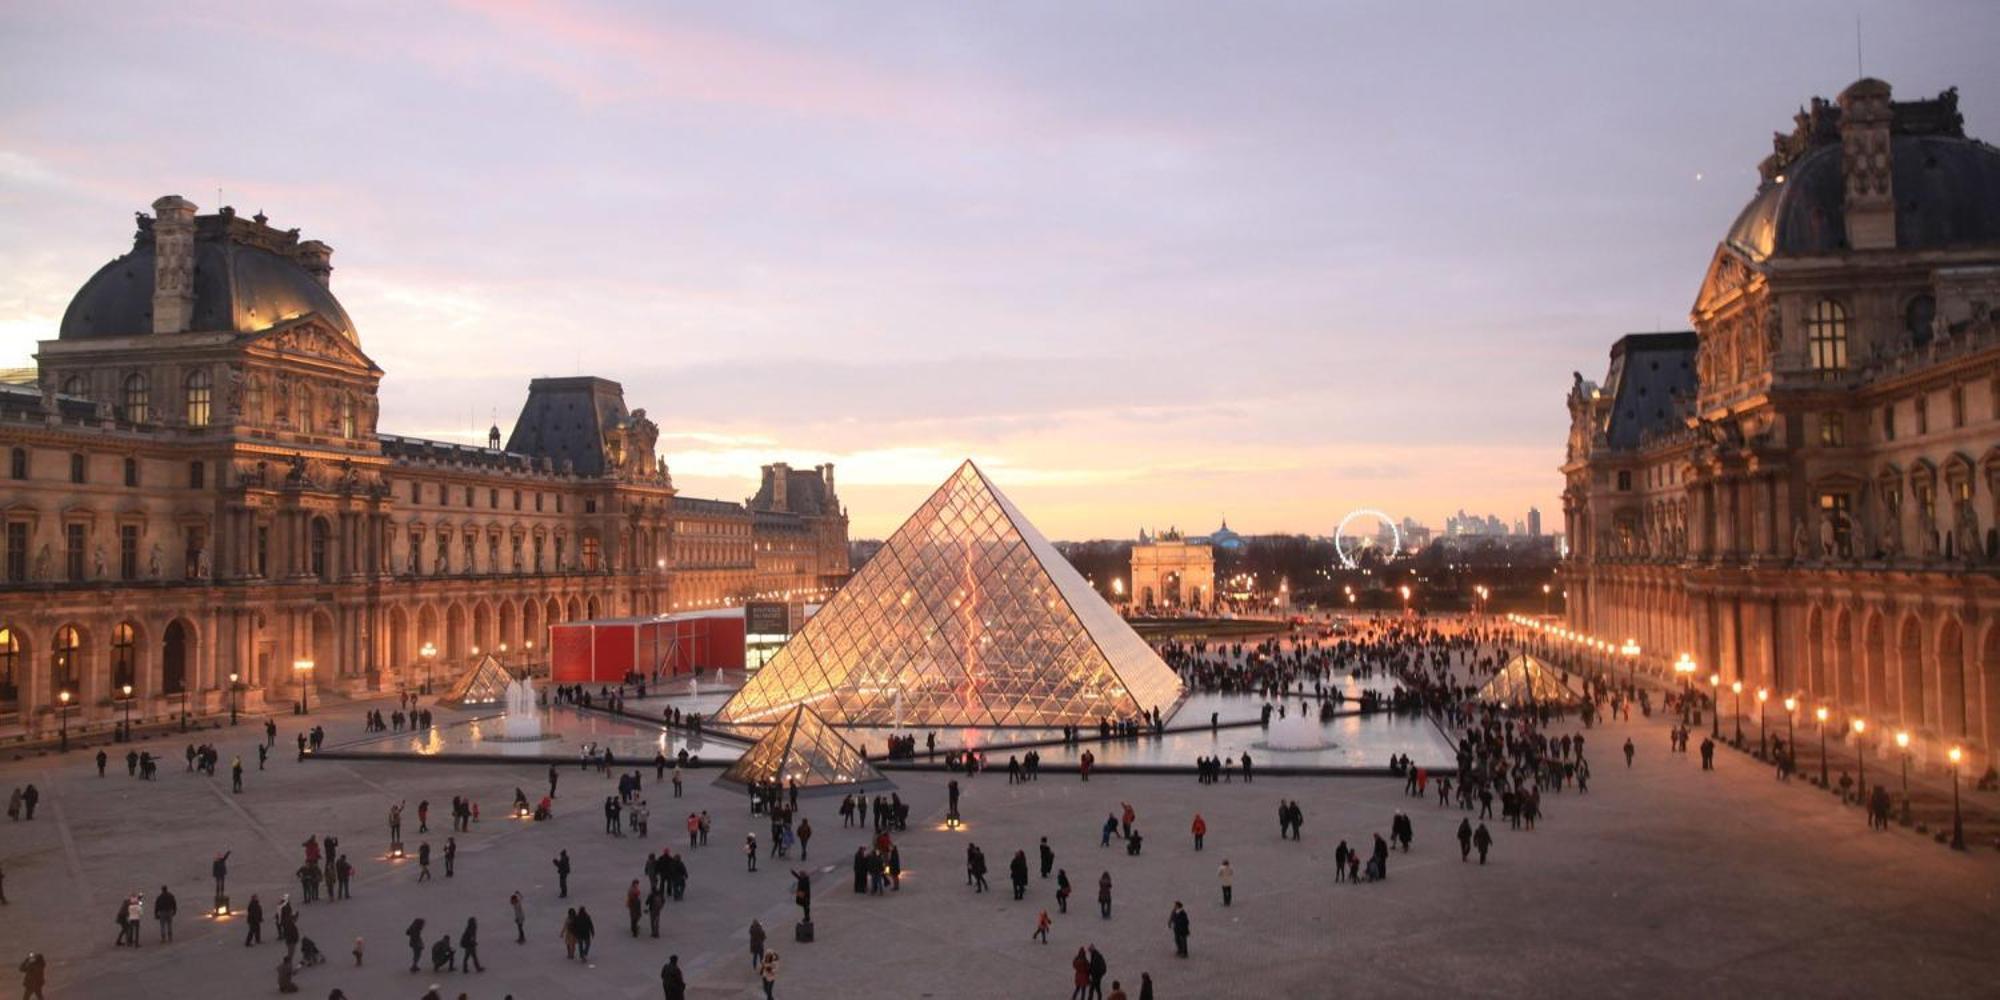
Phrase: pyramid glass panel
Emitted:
{"points": [[802, 748], [1525, 681], [967, 616], [485, 684]]}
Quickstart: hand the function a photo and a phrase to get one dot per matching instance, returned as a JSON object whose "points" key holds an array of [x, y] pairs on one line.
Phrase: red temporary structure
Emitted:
{"points": [[606, 651]]}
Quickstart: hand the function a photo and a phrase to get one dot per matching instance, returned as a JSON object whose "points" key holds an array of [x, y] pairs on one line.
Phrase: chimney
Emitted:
{"points": [[173, 264], [317, 259], [1870, 204], [826, 473], [781, 475]]}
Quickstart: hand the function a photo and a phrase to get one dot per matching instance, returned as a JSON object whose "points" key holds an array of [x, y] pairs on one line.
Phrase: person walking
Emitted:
{"points": [[235, 776], [1482, 840], [1629, 749], [468, 946], [634, 905], [424, 861], [756, 944], [1464, 840], [1227, 876], [1017, 870], [805, 836], [1081, 966], [750, 851], [768, 973], [450, 855], [1048, 857], [1042, 923], [1062, 890], [673, 986], [520, 918], [1199, 829], [1104, 896], [1098, 968], [164, 908], [586, 931], [1177, 921]]}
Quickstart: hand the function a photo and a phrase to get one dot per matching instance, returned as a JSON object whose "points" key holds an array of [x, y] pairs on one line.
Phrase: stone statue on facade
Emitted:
{"points": [[1967, 532], [201, 563], [42, 562], [1799, 538], [153, 562], [1826, 535], [101, 573]]}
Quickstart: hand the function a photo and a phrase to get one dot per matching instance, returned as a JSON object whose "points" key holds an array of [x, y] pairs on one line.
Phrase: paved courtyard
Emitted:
{"points": [[1663, 881]]}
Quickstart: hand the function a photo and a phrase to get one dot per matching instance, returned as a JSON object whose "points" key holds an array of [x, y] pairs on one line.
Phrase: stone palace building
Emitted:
{"points": [[1803, 492], [196, 489]]}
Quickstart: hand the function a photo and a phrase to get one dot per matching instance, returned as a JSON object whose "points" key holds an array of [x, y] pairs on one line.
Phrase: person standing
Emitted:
{"points": [[450, 855], [756, 944], [254, 919], [768, 973], [415, 934], [1464, 840], [1098, 968], [673, 986], [236, 776], [520, 918], [562, 874], [1042, 923], [1081, 966], [805, 836], [1199, 829], [424, 861], [1017, 871], [34, 973], [1629, 749], [1104, 896], [1062, 890], [102, 759], [634, 905], [1177, 921], [164, 908], [1048, 857], [1227, 876]]}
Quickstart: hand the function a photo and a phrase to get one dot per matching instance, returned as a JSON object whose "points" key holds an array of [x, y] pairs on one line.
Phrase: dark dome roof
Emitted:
{"points": [[1947, 194], [238, 286]]}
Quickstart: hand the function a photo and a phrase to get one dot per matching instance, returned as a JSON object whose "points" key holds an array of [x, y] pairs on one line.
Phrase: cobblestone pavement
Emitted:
{"points": [[1663, 881]]}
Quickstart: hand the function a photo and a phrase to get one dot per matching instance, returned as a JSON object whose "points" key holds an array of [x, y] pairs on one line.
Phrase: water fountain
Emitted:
{"points": [[1295, 732], [523, 721]]}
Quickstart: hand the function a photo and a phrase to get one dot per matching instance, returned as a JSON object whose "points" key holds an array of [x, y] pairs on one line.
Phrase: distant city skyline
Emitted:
{"points": [[1275, 262]]}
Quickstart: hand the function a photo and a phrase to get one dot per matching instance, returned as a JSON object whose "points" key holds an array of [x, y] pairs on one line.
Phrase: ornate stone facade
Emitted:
{"points": [[1170, 572], [196, 488], [1813, 509]]}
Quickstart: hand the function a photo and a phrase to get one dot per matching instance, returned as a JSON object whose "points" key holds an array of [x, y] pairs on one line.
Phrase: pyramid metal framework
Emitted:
{"points": [[966, 617], [1525, 681], [485, 684], [802, 748]]}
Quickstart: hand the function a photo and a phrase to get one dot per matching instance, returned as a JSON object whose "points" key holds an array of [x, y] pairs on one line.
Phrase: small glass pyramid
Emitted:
{"points": [[485, 684], [1525, 681], [801, 748], [966, 617]]}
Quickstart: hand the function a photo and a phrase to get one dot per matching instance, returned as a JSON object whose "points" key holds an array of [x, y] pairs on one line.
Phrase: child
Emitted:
{"points": [[1042, 927], [357, 952]]}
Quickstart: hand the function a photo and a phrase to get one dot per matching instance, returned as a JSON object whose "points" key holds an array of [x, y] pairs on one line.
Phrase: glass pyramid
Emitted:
{"points": [[485, 684], [801, 747], [966, 617], [1525, 681]]}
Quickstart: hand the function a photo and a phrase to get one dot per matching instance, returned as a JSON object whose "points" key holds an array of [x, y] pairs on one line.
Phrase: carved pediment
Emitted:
{"points": [[306, 337], [1729, 275]]}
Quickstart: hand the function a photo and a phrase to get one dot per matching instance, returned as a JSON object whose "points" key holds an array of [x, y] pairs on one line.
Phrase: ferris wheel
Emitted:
{"points": [[1349, 553]]}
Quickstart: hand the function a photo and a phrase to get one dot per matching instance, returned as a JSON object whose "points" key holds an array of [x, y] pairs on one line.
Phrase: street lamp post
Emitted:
{"points": [[1957, 822], [1685, 667], [233, 678], [62, 718], [1715, 699], [304, 668], [184, 705], [127, 689], [1903, 745], [1861, 760], [429, 653], [1763, 742], [1631, 652], [1791, 708], [1736, 688], [1545, 600], [1820, 713]]}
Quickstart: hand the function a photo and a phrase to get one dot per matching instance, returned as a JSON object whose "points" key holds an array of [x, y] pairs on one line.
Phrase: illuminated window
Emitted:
{"points": [[10, 667], [198, 395], [1832, 430], [122, 655], [64, 657], [137, 398], [1826, 338]]}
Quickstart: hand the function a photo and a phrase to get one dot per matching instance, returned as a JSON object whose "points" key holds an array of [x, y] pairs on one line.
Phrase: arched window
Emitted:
{"points": [[199, 390], [64, 657], [347, 416], [123, 655], [320, 534], [137, 398], [1826, 337], [75, 386], [10, 667], [591, 552]]}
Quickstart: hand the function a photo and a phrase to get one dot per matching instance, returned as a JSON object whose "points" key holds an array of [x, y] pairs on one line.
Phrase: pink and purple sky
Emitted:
{"points": [[1149, 263]]}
